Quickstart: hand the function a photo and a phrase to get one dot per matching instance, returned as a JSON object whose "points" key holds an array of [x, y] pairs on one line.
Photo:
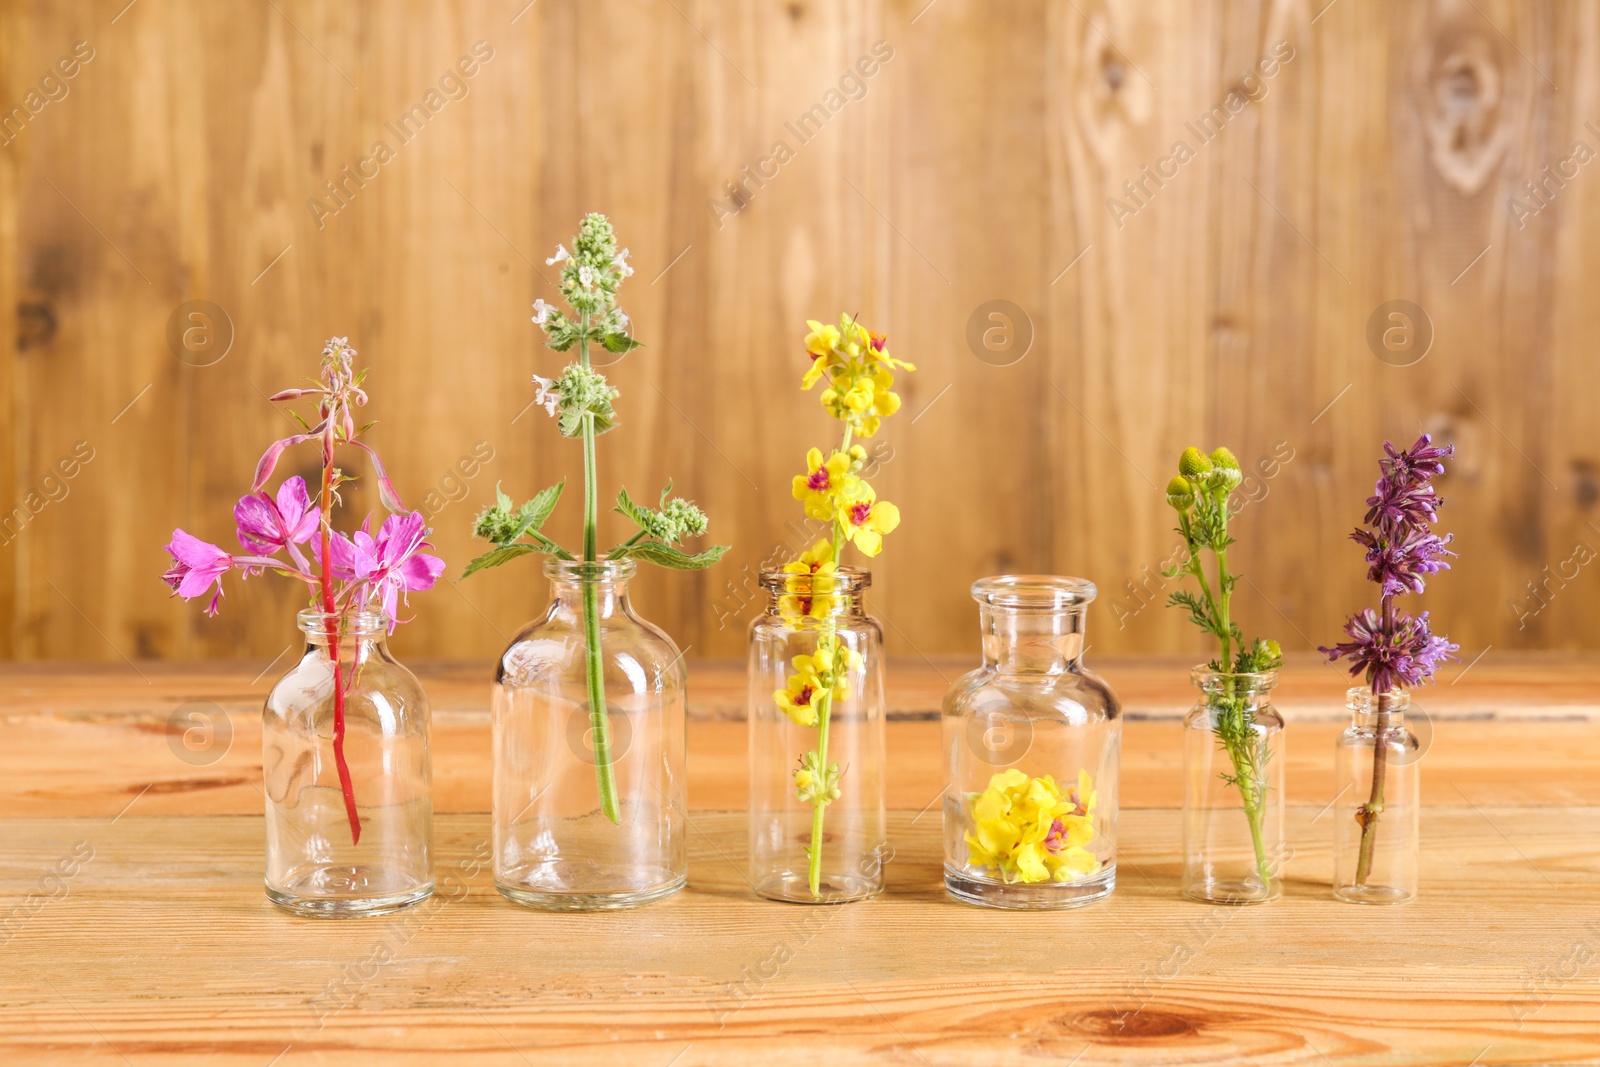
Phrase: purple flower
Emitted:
{"points": [[390, 565], [1390, 646], [266, 525], [1404, 652], [196, 565], [1398, 564]]}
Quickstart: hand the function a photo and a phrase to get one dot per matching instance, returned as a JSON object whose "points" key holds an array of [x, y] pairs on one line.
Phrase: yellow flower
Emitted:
{"points": [[880, 351], [1026, 830], [799, 699], [824, 480], [866, 519], [810, 590], [823, 675], [821, 344], [822, 340]]}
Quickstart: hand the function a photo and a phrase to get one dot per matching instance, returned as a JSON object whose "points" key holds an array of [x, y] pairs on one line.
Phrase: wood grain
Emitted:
{"points": [[976, 166], [715, 976], [133, 928]]}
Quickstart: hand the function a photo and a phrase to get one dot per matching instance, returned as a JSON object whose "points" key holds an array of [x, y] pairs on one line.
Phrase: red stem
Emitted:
{"points": [[329, 609]]}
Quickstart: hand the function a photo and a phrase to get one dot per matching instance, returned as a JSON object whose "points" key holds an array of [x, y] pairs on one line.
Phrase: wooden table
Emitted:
{"points": [[137, 931]]}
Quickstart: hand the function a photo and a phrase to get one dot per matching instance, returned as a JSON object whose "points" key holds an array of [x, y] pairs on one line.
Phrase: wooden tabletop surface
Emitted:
{"points": [[135, 930]]}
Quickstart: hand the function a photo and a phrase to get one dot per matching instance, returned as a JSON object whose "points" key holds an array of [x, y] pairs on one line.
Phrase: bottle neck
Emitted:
{"points": [[1366, 707], [610, 595], [1247, 692], [1031, 641], [800, 594], [358, 634]]}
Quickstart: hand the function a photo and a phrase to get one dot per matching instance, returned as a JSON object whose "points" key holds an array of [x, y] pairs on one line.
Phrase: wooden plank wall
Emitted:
{"points": [[1227, 304]]}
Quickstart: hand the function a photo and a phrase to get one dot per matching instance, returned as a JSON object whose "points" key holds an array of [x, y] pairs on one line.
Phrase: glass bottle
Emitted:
{"points": [[314, 864], [1233, 790], [804, 613], [555, 847], [1383, 869], [1032, 744]]}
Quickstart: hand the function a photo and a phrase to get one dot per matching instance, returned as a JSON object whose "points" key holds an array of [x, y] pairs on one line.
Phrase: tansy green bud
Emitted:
{"points": [[1223, 457], [1193, 462], [1180, 494]]}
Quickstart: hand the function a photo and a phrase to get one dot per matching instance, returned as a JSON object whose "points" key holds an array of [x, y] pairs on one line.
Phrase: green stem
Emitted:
{"points": [[599, 721], [818, 806], [824, 714]]}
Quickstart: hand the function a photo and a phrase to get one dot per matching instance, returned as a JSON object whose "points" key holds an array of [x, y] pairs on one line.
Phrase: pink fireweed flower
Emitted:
{"points": [[196, 566], [265, 525], [390, 565]]}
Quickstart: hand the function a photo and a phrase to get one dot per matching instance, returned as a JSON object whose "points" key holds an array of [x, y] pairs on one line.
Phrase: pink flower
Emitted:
{"points": [[266, 526], [196, 565], [390, 565]]}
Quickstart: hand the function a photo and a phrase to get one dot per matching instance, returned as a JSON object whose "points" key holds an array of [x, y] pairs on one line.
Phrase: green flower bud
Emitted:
{"points": [[1225, 459], [1193, 462], [1180, 494], [1226, 479]]}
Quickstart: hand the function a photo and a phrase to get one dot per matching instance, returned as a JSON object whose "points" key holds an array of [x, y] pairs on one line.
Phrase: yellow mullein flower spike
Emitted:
{"points": [[1026, 830], [859, 392]]}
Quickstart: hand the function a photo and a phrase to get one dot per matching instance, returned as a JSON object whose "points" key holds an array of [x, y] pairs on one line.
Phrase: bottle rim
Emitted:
{"points": [[1360, 698], [1211, 681], [600, 570], [1034, 592], [314, 622], [843, 581]]}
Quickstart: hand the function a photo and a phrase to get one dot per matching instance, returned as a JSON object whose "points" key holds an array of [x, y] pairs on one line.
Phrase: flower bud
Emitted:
{"points": [[1193, 462], [1227, 479], [1180, 494], [1225, 459]]}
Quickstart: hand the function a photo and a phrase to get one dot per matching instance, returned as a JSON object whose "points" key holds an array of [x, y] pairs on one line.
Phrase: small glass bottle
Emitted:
{"points": [[1032, 744], [1233, 790], [314, 864], [803, 613], [555, 846], [1375, 859]]}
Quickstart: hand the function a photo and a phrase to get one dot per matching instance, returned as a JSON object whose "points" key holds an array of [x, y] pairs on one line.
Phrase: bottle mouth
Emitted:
{"points": [[1034, 592], [1211, 681], [843, 581], [601, 570], [1362, 699], [317, 623]]}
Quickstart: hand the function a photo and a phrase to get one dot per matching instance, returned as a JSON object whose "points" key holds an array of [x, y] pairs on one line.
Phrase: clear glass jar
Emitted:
{"points": [[1032, 744], [317, 863], [555, 844], [1375, 859], [804, 615], [1233, 790]]}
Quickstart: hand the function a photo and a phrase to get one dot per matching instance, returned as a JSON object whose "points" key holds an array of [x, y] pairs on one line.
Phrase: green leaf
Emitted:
{"points": [[619, 343], [496, 556], [626, 506], [667, 556], [664, 494], [532, 515]]}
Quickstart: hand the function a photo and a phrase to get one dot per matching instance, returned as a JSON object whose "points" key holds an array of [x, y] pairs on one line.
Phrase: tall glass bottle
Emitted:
{"points": [[1032, 743], [1233, 790], [314, 865], [1375, 860], [554, 847], [803, 613]]}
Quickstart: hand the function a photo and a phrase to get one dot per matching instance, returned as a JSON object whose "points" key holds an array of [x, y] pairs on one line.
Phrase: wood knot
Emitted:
{"points": [[36, 325], [1464, 119], [1141, 1024]]}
